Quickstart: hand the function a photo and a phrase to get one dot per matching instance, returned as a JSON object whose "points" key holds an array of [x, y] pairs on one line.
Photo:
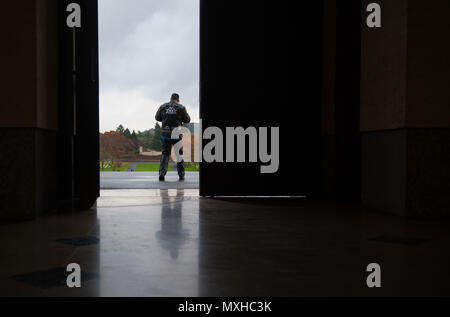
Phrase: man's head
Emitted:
{"points": [[175, 97]]}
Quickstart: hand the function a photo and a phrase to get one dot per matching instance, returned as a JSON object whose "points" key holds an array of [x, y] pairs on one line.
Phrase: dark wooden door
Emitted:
{"points": [[261, 67], [78, 137]]}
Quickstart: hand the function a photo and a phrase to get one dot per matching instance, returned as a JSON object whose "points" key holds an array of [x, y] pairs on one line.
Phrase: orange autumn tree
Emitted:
{"points": [[113, 145]]}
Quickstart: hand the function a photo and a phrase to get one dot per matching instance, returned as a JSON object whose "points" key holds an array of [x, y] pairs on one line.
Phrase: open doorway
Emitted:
{"points": [[148, 50], [242, 90]]}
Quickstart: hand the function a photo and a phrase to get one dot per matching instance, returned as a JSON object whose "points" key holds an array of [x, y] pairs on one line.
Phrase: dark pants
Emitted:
{"points": [[167, 144]]}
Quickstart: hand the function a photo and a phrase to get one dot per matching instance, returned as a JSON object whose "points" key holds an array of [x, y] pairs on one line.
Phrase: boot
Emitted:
{"points": [[181, 171], [164, 166]]}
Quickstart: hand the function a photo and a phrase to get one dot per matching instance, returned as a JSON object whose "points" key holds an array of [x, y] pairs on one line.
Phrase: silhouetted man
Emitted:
{"points": [[172, 115]]}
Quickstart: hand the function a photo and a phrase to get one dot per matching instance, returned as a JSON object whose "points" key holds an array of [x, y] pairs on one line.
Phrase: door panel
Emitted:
{"points": [[79, 106], [87, 175], [261, 67]]}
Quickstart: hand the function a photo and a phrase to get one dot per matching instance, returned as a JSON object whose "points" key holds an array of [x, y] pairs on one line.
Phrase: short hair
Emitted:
{"points": [[175, 97]]}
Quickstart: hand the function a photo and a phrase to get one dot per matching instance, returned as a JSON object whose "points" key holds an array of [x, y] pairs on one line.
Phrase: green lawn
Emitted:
{"points": [[123, 168], [154, 167], [148, 167], [191, 167]]}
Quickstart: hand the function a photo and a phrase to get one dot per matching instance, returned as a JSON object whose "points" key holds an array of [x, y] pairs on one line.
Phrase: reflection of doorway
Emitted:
{"points": [[147, 51]]}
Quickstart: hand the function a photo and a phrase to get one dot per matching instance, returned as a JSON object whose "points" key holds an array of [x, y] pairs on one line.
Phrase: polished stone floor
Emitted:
{"points": [[173, 243]]}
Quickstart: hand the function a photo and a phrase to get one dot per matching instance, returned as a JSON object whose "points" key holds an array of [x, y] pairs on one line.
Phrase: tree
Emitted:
{"points": [[120, 129], [112, 146], [135, 141], [144, 139], [156, 141], [127, 133], [134, 136], [141, 138]]}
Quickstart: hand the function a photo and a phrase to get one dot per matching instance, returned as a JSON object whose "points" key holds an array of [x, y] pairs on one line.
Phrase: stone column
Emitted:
{"points": [[405, 109], [28, 112]]}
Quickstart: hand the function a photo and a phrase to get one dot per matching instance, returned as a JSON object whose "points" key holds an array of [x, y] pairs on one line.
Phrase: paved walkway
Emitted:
{"points": [[147, 180], [132, 167]]}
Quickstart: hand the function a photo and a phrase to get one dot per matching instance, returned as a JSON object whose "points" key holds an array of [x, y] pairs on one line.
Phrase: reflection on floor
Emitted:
{"points": [[172, 243]]}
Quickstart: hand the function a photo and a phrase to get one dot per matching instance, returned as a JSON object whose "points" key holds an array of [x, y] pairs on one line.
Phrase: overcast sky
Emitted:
{"points": [[148, 50]]}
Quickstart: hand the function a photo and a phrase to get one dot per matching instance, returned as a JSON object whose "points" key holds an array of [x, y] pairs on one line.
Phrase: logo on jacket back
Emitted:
{"points": [[171, 110]]}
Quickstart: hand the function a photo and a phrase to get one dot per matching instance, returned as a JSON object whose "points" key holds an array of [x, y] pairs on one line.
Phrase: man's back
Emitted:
{"points": [[172, 115]]}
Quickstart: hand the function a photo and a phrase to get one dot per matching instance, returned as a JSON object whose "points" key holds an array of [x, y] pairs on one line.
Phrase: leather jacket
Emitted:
{"points": [[172, 115]]}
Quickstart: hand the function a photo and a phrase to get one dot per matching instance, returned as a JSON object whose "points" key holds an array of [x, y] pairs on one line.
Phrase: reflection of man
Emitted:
{"points": [[172, 235], [172, 115]]}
